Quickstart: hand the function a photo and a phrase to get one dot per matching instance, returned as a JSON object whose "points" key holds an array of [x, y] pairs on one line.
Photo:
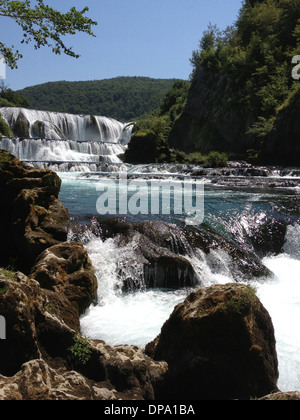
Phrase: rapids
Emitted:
{"points": [[137, 317]]}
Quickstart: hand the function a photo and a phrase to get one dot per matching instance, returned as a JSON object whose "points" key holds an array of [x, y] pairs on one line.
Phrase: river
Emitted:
{"points": [[137, 317]]}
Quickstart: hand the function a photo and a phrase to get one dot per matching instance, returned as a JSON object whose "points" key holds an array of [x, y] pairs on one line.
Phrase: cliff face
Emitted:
{"points": [[243, 99], [283, 143], [211, 120]]}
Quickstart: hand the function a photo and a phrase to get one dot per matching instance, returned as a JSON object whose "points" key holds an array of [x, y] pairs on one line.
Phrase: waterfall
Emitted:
{"points": [[48, 138]]}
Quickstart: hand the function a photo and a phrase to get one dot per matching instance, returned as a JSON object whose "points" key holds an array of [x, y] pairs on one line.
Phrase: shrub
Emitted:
{"points": [[181, 157], [216, 160], [80, 352], [196, 158]]}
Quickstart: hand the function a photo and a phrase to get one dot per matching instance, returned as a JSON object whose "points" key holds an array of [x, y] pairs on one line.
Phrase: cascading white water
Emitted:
{"points": [[61, 151], [118, 318], [85, 139], [68, 126], [281, 297]]}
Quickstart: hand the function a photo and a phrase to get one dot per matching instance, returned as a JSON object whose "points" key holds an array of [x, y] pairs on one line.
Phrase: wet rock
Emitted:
{"points": [[167, 251], [267, 236], [219, 344], [157, 249], [242, 263], [21, 127]]}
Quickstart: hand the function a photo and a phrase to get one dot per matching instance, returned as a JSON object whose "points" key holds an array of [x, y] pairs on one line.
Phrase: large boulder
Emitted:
{"points": [[219, 344], [32, 217]]}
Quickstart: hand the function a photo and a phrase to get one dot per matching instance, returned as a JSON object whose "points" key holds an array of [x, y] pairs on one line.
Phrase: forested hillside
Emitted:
{"points": [[243, 99], [122, 98]]}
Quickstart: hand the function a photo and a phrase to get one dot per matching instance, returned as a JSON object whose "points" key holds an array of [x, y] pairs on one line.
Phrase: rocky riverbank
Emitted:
{"points": [[220, 334]]}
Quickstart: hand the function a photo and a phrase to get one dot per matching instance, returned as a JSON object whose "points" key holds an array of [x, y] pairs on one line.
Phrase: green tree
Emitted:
{"points": [[10, 98], [43, 26]]}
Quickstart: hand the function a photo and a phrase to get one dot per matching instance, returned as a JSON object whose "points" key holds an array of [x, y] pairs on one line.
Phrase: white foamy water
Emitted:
{"points": [[137, 318], [118, 318], [281, 297]]}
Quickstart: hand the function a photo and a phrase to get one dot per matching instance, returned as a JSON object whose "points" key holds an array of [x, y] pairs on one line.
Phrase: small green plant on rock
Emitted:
{"points": [[80, 352], [7, 274], [245, 299]]}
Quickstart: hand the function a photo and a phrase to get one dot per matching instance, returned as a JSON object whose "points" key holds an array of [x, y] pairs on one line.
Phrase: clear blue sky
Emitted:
{"points": [[153, 38]]}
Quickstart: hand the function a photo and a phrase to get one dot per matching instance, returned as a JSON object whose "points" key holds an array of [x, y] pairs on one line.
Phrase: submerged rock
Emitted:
{"points": [[219, 344], [155, 248], [167, 253]]}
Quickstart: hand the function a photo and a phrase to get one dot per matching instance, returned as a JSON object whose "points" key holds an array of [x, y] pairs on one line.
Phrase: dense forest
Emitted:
{"points": [[243, 99], [122, 98]]}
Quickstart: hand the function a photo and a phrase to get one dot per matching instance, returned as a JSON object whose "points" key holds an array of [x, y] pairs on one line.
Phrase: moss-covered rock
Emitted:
{"points": [[66, 268], [5, 131], [219, 344], [142, 148], [21, 127]]}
